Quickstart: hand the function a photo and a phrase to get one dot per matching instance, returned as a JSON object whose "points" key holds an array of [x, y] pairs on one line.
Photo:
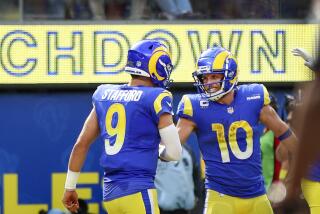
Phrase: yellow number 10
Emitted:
{"points": [[119, 130], [219, 128]]}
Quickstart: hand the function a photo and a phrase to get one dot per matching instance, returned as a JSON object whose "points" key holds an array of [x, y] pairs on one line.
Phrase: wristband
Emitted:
{"points": [[285, 135], [72, 179]]}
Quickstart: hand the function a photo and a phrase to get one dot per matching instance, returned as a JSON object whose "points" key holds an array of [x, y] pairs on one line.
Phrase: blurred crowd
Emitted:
{"points": [[151, 9]]}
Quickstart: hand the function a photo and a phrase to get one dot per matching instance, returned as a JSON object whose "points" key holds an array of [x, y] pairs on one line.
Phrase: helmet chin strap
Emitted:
{"points": [[217, 97], [220, 95]]}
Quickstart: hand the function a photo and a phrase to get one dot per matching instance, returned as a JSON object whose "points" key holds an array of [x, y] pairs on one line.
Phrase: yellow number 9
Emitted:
{"points": [[119, 130]]}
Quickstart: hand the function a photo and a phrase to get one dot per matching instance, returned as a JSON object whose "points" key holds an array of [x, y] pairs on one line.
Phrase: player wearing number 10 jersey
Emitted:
{"points": [[131, 119], [225, 118]]}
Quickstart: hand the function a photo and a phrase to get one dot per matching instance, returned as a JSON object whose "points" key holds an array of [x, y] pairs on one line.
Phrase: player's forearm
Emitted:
{"points": [[291, 182], [291, 144], [78, 156], [182, 136], [281, 153], [185, 128], [170, 139]]}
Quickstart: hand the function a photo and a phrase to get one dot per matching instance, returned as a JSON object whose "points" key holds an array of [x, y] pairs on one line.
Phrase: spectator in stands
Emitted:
{"points": [[9, 9], [227, 9], [85, 9], [54, 9], [138, 8], [173, 9], [294, 9], [34, 9], [116, 9], [64, 9], [260, 9]]}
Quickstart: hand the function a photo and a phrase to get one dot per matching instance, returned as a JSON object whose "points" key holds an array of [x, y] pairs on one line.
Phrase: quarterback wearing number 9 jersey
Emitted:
{"points": [[225, 118], [132, 119]]}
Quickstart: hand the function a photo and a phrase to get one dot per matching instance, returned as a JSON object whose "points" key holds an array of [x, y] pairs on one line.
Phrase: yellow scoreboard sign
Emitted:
{"points": [[41, 54]]}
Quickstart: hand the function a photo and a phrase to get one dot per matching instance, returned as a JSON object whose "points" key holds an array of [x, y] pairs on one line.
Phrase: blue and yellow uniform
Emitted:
{"points": [[128, 120], [314, 173], [311, 188], [229, 140]]}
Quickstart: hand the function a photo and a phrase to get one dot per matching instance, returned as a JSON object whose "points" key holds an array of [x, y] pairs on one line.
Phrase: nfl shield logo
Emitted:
{"points": [[204, 103], [230, 110], [138, 63]]}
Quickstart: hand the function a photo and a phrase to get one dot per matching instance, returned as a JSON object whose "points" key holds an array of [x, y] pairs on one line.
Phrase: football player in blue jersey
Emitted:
{"points": [[131, 119], [225, 118]]}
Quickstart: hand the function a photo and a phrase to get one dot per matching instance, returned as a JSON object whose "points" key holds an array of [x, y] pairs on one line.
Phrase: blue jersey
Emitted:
{"points": [[314, 172], [229, 139], [128, 120]]}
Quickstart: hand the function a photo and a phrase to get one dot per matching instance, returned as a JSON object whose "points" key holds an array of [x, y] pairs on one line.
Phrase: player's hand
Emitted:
{"points": [[291, 199], [277, 192], [309, 61], [290, 204], [70, 200]]}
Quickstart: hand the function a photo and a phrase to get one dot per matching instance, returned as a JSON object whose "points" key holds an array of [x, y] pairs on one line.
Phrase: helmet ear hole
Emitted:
{"points": [[150, 47], [141, 56], [200, 77]]}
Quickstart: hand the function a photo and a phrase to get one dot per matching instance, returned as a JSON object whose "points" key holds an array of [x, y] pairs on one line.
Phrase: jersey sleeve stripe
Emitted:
{"points": [[158, 101], [266, 97], [187, 110]]}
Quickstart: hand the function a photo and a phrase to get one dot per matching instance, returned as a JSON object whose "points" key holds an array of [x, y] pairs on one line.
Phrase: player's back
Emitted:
{"points": [[128, 120]]}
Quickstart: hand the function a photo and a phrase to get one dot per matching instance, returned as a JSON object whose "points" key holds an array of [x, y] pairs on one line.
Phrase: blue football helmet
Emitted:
{"points": [[216, 60], [150, 58]]}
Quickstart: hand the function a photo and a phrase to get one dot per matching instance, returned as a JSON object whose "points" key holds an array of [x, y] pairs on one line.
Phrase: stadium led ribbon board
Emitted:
{"points": [[42, 54]]}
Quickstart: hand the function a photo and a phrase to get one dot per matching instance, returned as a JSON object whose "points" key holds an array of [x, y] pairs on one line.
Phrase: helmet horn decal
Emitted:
{"points": [[150, 58], [218, 62], [153, 64]]}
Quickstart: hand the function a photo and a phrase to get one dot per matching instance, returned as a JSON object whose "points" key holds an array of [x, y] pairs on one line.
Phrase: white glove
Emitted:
{"points": [[309, 61]]}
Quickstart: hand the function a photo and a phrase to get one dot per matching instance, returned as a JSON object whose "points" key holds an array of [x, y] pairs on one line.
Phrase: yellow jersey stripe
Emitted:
{"points": [[157, 104], [266, 96], [187, 109]]}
